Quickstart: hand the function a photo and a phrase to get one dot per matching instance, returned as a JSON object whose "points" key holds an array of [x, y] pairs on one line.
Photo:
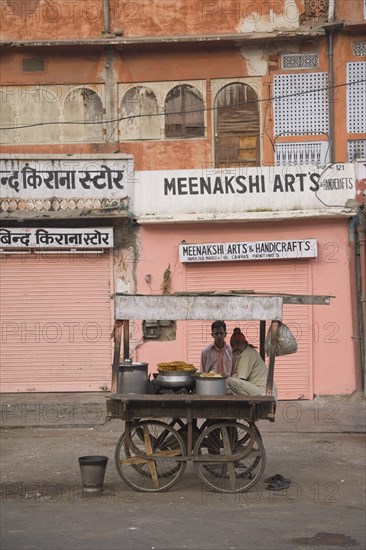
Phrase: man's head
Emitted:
{"points": [[218, 332], [238, 342]]}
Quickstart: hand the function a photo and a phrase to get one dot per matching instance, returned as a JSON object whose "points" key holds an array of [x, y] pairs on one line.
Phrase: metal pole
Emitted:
{"points": [[262, 337], [106, 17], [362, 250], [331, 94], [275, 325]]}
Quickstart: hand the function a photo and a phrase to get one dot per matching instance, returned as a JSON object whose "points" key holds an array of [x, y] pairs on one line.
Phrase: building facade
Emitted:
{"points": [[190, 146]]}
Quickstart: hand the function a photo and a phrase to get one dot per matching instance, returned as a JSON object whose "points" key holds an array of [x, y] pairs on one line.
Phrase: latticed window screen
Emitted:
{"points": [[300, 61], [301, 104], [356, 97], [359, 49], [356, 149], [302, 153]]}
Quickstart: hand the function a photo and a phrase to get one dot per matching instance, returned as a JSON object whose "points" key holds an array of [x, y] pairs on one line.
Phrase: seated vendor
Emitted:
{"points": [[217, 357], [250, 372]]}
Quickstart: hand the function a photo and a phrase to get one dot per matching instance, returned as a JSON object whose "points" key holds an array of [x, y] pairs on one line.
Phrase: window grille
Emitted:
{"points": [[356, 149], [301, 106], [356, 97], [302, 153], [300, 61], [359, 49]]}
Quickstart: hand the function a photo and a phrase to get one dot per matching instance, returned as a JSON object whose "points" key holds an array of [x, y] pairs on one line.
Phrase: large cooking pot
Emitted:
{"points": [[132, 377], [175, 379], [210, 385]]}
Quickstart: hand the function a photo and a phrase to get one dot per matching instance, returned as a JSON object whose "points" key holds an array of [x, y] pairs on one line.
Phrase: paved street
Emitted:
{"points": [[319, 445]]}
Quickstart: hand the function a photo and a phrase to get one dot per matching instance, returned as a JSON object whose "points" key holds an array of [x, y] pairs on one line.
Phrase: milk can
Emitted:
{"points": [[132, 377]]}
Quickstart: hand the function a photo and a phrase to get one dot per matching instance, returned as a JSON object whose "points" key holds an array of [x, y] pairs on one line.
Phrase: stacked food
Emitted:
{"points": [[175, 366]]}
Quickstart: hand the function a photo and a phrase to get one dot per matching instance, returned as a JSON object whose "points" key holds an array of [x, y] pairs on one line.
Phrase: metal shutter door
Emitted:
{"points": [[56, 322], [293, 373]]}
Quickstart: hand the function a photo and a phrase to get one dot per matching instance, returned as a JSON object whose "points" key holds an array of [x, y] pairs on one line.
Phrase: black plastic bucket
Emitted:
{"points": [[92, 470]]}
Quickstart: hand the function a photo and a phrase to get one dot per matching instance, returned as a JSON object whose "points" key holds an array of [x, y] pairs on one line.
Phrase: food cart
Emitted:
{"points": [[216, 433]]}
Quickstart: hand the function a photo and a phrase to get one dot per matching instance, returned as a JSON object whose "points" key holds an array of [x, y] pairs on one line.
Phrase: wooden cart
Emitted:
{"points": [[218, 434]]}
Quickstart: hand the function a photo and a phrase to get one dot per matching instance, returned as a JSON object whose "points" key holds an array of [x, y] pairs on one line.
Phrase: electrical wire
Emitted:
{"points": [[207, 109]]}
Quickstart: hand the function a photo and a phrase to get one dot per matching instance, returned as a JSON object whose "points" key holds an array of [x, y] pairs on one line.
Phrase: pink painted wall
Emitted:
{"points": [[332, 326]]}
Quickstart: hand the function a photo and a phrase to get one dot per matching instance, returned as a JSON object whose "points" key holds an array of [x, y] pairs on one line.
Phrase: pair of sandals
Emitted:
{"points": [[277, 482]]}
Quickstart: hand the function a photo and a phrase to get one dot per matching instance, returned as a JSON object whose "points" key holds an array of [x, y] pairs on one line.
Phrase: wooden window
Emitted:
{"points": [[237, 126], [184, 112], [139, 110], [83, 105]]}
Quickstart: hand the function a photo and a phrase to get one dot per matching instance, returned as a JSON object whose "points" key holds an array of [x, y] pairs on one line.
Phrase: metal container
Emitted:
{"points": [[175, 379], [133, 377], [211, 386], [92, 469]]}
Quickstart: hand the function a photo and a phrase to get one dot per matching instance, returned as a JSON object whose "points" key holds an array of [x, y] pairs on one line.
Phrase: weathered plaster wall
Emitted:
{"points": [[266, 18], [63, 19], [351, 11]]}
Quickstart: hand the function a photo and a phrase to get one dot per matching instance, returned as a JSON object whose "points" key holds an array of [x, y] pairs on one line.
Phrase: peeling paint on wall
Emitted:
{"points": [[257, 63], [288, 19]]}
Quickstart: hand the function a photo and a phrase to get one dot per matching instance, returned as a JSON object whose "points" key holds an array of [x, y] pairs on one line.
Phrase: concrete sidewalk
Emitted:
{"points": [[327, 414]]}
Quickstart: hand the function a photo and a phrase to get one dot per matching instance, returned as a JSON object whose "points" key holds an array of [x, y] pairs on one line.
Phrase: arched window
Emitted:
{"points": [[136, 106], [184, 112], [7, 117], [83, 105], [237, 126], [37, 106]]}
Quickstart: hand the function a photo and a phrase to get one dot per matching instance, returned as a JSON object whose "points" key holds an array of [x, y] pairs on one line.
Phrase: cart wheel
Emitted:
{"points": [[228, 439], [207, 423], [150, 437], [140, 433]]}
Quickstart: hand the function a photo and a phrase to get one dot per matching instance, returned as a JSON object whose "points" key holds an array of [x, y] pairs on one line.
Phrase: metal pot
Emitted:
{"points": [[175, 379], [132, 377], [211, 386]]}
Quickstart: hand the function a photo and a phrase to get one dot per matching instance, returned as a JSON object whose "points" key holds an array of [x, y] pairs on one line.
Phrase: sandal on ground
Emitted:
{"points": [[277, 477], [277, 485]]}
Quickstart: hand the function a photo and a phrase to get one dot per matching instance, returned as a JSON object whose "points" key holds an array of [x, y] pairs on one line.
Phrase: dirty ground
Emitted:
{"points": [[319, 445]]}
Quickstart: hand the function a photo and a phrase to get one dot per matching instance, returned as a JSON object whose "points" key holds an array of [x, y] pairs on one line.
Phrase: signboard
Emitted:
{"points": [[65, 177], [255, 250], [87, 237], [238, 190]]}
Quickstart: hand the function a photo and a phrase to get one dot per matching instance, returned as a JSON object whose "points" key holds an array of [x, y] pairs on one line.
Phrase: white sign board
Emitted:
{"points": [[255, 250], [66, 178], [237, 190], [31, 237]]}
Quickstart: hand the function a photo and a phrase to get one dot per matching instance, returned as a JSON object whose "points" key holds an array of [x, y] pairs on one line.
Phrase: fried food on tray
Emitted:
{"points": [[176, 366]]}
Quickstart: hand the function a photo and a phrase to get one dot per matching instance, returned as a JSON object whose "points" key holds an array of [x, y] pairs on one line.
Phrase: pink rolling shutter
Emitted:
{"points": [[293, 373], [55, 322]]}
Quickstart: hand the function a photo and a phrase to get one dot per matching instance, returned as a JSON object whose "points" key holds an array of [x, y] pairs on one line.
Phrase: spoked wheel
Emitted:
{"points": [[150, 437], [223, 441]]}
